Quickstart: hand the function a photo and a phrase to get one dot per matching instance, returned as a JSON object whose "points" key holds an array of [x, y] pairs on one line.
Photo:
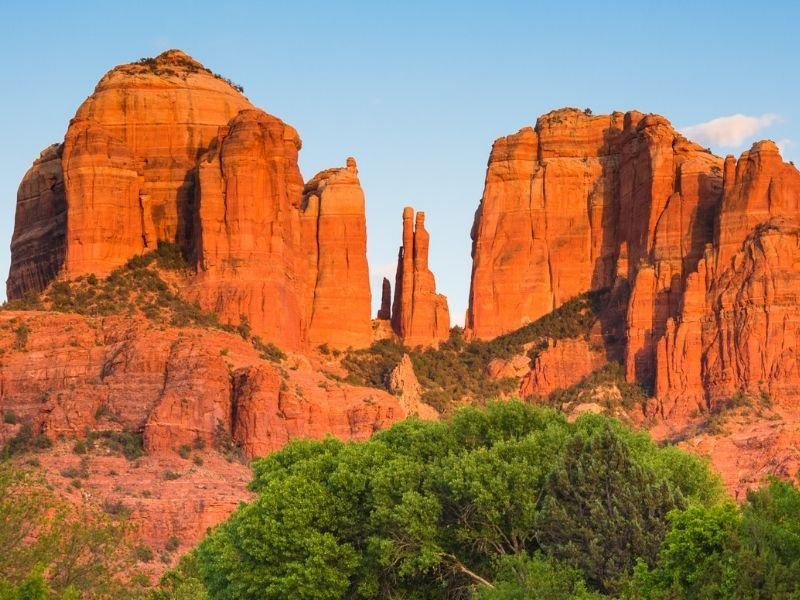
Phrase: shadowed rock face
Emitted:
{"points": [[420, 316], [38, 245], [707, 249], [166, 150], [385, 311], [739, 325]]}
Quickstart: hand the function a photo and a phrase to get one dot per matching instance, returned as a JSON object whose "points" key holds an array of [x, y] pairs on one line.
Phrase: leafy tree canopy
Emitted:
{"points": [[491, 502]]}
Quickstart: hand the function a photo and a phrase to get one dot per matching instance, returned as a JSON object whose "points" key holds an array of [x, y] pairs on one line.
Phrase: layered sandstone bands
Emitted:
{"points": [[335, 239], [174, 386], [165, 150], [705, 252], [739, 325], [420, 316]]}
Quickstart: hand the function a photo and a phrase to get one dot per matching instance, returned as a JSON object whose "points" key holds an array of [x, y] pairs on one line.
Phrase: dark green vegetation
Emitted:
{"points": [[631, 395], [50, 549], [137, 288], [163, 66], [24, 441], [123, 443], [457, 370], [507, 502], [721, 552]]}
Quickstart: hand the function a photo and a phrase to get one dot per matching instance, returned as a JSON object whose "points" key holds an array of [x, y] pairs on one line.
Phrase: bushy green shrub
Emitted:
{"points": [[268, 351], [127, 443], [509, 499], [25, 441]]}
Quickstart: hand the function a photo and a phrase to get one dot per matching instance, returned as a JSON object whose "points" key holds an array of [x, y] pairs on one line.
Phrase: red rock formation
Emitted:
{"points": [[584, 202], [128, 165], [420, 316], [385, 311], [576, 202], [37, 247], [739, 326], [248, 228], [544, 231], [174, 386], [335, 240], [562, 364], [166, 111], [166, 150]]}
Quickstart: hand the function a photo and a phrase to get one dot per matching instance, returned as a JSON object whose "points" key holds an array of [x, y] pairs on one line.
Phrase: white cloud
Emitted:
{"points": [[729, 132]]}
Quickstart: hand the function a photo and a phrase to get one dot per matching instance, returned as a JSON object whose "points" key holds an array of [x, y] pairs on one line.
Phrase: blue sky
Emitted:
{"points": [[416, 91]]}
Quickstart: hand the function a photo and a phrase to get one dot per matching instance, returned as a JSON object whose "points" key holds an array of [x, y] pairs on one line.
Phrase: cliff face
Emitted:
{"points": [[704, 249], [739, 322], [576, 202], [38, 245], [166, 150], [335, 242], [420, 316], [248, 228]]}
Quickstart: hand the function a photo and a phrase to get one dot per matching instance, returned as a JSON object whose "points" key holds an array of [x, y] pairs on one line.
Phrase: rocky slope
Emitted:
{"points": [[172, 389]]}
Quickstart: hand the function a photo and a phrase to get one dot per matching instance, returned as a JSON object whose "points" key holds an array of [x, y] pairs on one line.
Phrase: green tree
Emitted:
{"points": [[723, 552], [603, 510], [521, 577], [75, 549]]}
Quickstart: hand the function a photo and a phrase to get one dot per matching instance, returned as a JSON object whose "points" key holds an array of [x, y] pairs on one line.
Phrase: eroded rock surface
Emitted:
{"points": [[420, 316]]}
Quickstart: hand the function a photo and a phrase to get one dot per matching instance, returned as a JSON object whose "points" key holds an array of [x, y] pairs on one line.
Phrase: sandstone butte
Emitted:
{"points": [[420, 316], [702, 253], [166, 150]]}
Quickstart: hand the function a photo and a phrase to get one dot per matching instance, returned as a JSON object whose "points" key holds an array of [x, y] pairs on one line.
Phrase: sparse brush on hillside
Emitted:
{"points": [[164, 66], [137, 288], [50, 548], [457, 370], [605, 386]]}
